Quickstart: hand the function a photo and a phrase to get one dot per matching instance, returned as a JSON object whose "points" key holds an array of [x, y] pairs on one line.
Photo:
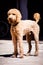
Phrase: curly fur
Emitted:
{"points": [[23, 27]]}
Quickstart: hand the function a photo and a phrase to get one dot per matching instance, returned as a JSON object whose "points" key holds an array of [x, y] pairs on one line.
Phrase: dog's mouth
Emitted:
{"points": [[10, 20], [13, 23]]}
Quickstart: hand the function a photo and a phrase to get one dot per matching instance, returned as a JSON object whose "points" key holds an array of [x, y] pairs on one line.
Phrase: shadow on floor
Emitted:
{"points": [[6, 55]]}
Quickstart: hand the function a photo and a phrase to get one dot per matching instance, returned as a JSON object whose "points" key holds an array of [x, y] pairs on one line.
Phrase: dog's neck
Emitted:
{"points": [[15, 24]]}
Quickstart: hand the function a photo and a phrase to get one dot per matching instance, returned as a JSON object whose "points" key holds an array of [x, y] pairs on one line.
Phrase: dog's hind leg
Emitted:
{"points": [[28, 38], [36, 37]]}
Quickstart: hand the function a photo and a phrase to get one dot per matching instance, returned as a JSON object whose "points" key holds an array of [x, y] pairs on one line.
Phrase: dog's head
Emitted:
{"points": [[14, 16]]}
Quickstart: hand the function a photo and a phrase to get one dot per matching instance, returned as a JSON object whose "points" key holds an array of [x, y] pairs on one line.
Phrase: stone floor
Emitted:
{"points": [[6, 50]]}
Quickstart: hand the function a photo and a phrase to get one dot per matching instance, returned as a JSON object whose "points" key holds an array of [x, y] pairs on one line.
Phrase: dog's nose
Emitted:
{"points": [[9, 18]]}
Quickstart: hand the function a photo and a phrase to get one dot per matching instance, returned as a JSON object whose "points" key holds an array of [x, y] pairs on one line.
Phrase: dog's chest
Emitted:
{"points": [[16, 31]]}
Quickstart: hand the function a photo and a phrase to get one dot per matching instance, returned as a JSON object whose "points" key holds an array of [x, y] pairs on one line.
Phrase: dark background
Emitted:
{"points": [[5, 5]]}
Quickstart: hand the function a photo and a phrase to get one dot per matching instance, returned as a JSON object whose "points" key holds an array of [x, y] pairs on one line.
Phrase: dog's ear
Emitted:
{"points": [[19, 16]]}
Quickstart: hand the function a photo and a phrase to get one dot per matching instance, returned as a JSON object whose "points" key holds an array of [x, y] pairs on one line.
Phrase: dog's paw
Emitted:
{"points": [[36, 54], [27, 54], [13, 56], [21, 56]]}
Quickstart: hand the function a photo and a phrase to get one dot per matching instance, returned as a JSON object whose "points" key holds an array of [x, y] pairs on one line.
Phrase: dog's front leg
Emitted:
{"points": [[20, 45], [14, 39]]}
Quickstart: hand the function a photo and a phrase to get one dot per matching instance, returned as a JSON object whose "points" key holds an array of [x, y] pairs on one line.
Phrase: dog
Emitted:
{"points": [[19, 28]]}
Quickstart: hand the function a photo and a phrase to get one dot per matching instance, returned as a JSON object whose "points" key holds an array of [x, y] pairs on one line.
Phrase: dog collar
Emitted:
{"points": [[15, 24]]}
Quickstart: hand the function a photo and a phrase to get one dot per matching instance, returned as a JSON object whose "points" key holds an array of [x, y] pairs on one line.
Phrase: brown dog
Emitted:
{"points": [[23, 27]]}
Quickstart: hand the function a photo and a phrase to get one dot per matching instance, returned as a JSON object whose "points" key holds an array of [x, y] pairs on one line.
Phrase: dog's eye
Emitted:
{"points": [[8, 14], [13, 14]]}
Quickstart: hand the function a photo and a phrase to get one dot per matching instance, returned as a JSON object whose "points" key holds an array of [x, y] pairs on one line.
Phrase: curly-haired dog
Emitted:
{"points": [[23, 27]]}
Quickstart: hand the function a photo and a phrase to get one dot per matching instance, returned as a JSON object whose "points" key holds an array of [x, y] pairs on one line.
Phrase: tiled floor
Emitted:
{"points": [[6, 48]]}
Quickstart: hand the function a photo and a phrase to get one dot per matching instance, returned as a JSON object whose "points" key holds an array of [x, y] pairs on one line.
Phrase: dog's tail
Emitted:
{"points": [[36, 17]]}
